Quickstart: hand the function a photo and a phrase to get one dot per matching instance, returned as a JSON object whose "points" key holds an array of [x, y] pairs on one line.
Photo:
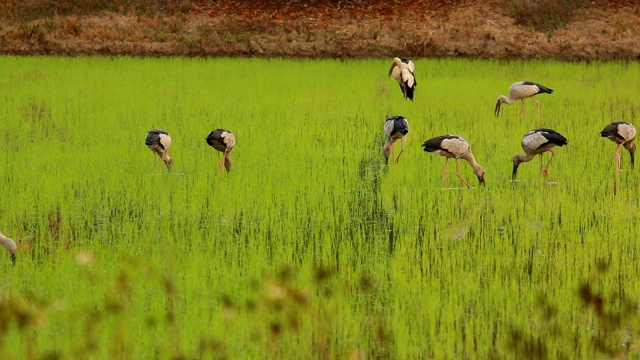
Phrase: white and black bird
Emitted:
{"points": [[396, 127], [223, 141], [623, 134], [455, 147], [537, 142], [521, 90], [159, 142], [10, 245], [402, 71]]}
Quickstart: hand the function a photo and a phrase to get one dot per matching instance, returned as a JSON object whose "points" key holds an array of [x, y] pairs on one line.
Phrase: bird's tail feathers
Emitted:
{"points": [[431, 145], [609, 130], [544, 89], [557, 139], [410, 92]]}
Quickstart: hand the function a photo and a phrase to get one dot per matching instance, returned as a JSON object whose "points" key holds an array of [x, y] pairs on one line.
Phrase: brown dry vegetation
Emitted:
{"points": [[568, 30]]}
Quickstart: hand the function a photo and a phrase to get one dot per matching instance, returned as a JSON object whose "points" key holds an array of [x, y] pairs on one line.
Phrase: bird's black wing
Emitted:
{"points": [[435, 144], [400, 126], [410, 90], [215, 137], [152, 138], [611, 129], [394, 118], [542, 88], [552, 136], [614, 130]]}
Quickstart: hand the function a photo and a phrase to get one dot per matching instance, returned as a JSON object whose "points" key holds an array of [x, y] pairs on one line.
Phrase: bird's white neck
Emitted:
{"points": [[503, 99], [388, 144], [519, 159], [468, 156], [8, 243]]}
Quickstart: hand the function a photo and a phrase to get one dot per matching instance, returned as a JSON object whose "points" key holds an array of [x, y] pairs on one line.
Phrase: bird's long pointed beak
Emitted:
{"points": [[13, 258], [391, 69], [481, 178], [497, 110], [632, 158], [515, 172]]}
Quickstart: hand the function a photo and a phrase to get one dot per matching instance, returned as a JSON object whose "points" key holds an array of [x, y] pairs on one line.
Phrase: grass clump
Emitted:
{"points": [[544, 15], [29, 10]]}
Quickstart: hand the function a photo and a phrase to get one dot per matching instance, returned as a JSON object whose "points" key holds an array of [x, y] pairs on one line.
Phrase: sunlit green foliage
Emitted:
{"points": [[310, 247]]}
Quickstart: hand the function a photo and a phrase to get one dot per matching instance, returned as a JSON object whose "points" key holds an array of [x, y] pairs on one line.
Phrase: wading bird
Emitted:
{"points": [[396, 127], [402, 71], [537, 142], [455, 147], [159, 142], [520, 91], [623, 134], [223, 141], [10, 245]]}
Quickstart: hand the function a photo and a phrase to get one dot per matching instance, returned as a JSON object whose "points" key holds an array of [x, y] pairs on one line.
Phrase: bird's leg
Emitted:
{"points": [[537, 104], [460, 176], [541, 168], [618, 165], [155, 162], [215, 155], [221, 164], [165, 161], [522, 112], [392, 148], [546, 170], [444, 173], [401, 151]]}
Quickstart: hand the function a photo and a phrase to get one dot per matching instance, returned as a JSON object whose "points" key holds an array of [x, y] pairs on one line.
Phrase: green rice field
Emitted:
{"points": [[311, 248]]}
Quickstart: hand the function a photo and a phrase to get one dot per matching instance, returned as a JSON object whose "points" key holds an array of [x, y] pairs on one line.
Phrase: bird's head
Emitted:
{"points": [[631, 147], [386, 149], [169, 162], [501, 99], [479, 171], [227, 163], [516, 162]]}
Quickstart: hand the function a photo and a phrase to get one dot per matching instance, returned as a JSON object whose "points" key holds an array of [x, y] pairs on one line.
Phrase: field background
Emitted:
{"points": [[493, 29], [310, 247]]}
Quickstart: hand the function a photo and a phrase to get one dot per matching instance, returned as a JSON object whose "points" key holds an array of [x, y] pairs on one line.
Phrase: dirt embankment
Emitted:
{"points": [[372, 29]]}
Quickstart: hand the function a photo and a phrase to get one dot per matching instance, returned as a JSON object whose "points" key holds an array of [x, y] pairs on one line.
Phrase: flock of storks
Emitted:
{"points": [[159, 141], [534, 142]]}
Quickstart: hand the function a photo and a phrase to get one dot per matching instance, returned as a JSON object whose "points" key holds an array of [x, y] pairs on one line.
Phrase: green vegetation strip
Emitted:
{"points": [[310, 247]]}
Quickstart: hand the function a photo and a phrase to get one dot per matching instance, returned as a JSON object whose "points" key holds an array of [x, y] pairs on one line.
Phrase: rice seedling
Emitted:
{"points": [[311, 247]]}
